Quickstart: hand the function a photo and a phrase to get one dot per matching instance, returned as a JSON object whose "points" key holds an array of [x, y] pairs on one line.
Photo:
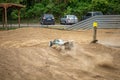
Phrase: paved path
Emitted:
{"points": [[31, 25]]}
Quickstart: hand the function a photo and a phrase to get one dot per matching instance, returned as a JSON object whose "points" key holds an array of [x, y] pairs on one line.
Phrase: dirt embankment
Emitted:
{"points": [[25, 55]]}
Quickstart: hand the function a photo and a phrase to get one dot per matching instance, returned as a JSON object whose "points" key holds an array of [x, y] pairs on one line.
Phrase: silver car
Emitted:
{"points": [[69, 19]]}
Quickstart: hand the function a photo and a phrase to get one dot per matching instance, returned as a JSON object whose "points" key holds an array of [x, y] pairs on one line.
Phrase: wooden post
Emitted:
{"points": [[95, 25], [95, 33], [19, 18], [5, 17]]}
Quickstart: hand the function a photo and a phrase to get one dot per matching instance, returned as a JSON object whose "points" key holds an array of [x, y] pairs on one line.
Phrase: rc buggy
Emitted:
{"points": [[61, 43]]}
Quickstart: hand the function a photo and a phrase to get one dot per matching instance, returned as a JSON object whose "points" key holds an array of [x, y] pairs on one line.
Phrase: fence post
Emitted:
{"points": [[95, 25]]}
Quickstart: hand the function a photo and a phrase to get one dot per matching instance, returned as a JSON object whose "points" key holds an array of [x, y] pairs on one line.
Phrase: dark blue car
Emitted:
{"points": [[47, 19]]}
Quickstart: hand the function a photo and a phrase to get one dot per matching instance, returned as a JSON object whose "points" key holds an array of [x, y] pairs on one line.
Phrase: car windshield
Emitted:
{"points": [[49, 16], [71, 16], [97, 13], [89, 14]]}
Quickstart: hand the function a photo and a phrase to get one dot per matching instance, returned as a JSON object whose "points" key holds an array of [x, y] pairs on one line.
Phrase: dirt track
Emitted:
{"points": [[25, 55]]}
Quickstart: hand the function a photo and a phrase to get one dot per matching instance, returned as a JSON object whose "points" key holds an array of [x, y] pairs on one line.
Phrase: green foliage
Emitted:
{"points": [[114, 8], [68, 10], [83, 8], [100, 5], [14, 14], [35, 8]]}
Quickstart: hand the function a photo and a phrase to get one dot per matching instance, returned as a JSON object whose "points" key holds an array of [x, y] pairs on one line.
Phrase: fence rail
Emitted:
{"points": [[104, 21]]}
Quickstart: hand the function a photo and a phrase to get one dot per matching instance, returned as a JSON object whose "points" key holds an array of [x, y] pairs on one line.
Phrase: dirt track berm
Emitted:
{"points": [[61, 44]]}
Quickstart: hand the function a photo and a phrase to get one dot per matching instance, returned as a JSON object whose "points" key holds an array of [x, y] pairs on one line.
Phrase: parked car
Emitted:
{"points": [[47, 19], [69, 19], [90, 14]]}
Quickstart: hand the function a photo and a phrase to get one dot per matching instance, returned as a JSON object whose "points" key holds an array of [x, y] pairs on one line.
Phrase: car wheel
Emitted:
{"points": [[65, 23], [42, 23], [50, 44], [53, 23], [61, 23]]}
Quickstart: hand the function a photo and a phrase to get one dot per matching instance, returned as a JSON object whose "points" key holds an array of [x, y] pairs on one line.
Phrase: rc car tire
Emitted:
{"points": [[50, 44]]}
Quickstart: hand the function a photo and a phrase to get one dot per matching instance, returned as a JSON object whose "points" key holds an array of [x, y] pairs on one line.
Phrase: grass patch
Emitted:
{"points": [[10, 28]]}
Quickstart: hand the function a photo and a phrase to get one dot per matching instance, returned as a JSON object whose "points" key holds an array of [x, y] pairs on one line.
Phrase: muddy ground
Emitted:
{"points": [[25, 55]]}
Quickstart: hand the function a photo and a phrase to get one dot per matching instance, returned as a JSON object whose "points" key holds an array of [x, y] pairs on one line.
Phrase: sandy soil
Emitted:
{"points": [[25, 55]]}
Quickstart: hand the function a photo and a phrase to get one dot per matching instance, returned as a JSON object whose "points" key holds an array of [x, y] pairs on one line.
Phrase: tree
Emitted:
{"points": [[35, 8], [100, 5]]}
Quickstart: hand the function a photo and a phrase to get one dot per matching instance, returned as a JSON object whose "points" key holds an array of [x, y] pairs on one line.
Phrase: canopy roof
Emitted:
{"points": [[3, 5]]}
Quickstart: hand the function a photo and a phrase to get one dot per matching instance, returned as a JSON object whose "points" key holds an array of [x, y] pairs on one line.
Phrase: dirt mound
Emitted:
{"points": [[25, 55]]}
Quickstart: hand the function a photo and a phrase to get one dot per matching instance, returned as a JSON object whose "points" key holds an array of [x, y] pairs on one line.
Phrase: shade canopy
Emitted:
{"points": [[5, 6]]}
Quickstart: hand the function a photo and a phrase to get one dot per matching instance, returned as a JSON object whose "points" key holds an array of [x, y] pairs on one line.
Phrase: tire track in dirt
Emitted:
{"points": [[28, 57]]}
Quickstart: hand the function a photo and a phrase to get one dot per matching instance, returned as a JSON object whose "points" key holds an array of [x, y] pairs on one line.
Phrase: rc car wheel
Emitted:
{"points": [[50, 43]]}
